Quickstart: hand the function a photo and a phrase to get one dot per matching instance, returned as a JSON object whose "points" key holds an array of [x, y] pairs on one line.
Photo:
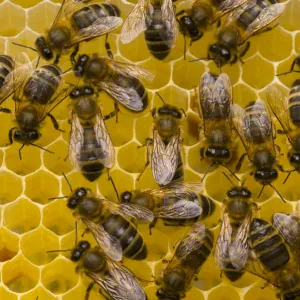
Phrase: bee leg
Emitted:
{"points": [[277, 148], [221, 274], [5, 110], [197, 38], [110, 115], [86, 230], [281, 169], [180, 13], [88, 290], [202, 153], [37, 63], [107, 47], [295, 61], [57, 59], [73, 54], [152, 225], [280, 131], [10, 136], [20, 155], [240, 162], [244, 51], [149, 142], [116, 111], [234, 60], [54, 122]]}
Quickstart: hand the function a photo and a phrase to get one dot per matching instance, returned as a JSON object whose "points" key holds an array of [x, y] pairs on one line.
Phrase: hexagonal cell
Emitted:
{"points": [[289, 19], [8, 180], [39, 292], [41, 186], [144, 128], [21, 216], [255, 292], [139, 268], [27, 3], [59, 162], [41, 16], [59, 276], [15, 24], [269, 47], [223, 293], [35, 245], [191, 129], [79, 292], [48, 133], [285, 66], [146, 181], [193, 72], [4, 294], [58, 218], [19, 275], [243, 94], [253, 69], [9, 245]]}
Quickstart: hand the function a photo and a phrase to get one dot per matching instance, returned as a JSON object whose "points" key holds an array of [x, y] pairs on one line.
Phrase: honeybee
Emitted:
{"points": [[40, 92], [166, 162], [214, 106], [77, 22], [178, 204], [117, 281], [287, 112], [190, 255], [242, 23], [231, 254], [116, 78], [157, 19], [107, 222], [90, 147], [257, 132]]}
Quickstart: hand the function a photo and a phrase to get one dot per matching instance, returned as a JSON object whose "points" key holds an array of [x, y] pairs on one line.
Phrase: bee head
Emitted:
{"points": [[80, 249], [294, 159], [167, 109], [80, 65], [77, 196], [240, 192], [81, 91], [126, 197], [24, 136], [43, 48], [220, 54], [265, 176]]}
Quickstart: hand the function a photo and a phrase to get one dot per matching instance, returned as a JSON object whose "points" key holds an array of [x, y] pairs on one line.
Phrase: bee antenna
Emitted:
{"points": [[161, 98], [207, 171], [76, 233], [288, 175], [54, 198], [64, 250], [68, 182], [285, 73], [114, 186], [41, 148], [243, 182], [274, 188], [24, 46], [230, 172], [227, 178], [70, 69], [261, 191], [203, 58]]}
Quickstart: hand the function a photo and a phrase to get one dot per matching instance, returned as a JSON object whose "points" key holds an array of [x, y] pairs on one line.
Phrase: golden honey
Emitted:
{"points": [[30, 224]]}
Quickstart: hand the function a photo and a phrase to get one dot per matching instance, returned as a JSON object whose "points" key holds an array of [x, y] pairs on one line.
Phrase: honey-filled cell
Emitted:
{"points": [[9, 245]]}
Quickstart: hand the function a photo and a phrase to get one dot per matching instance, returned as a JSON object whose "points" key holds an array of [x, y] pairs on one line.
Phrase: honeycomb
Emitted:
{"points": [[30, 225]]}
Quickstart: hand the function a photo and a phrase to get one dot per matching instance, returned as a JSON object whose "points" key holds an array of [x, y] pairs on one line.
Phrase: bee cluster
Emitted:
{"points": [[245, 243]]}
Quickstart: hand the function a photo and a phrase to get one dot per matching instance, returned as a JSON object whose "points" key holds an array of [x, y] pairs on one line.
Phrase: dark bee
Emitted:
{"points": [[74, 23], [287, 112], [116, 78], [90, 146], [157, 19], [42, 90], [107, 222], [117, 281], [231, 254], [214, 111], [241, 24], [166, 162], [179, 204], [190, 255], [257, 132]]}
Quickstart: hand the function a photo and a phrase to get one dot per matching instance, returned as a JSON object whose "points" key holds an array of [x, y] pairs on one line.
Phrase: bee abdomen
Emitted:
{"points": [[6, 66], [294, 104], [132, 243], [207, 205]]}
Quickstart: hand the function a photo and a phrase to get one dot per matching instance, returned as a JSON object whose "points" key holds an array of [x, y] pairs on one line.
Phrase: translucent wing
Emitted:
{"points": [[182, 209], [222, 93], [278, 103], [101, 26], [138, 21], [169, 20], [288, 227], [109, 244], [107, 153], [76, 140], [164, 158], [227, 6], [268, 15]]}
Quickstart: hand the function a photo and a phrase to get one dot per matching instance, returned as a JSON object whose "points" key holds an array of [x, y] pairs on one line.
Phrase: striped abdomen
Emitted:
{"points": [[157, 37], [268, 245], [294, 103], [42, 84], [86, 16], [132, 243], [6, 66]]}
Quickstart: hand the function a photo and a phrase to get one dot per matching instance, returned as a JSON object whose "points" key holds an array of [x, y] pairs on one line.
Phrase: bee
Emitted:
{"points": [[117, 281], [287, 112], [157, 19], [107, 222], [76, 22], [166, 162], [257, 132], [214, 106], [231, 254], [190, 255], [42, 90], [90, 145], [179, 204], [116, 78], [242, 23]]}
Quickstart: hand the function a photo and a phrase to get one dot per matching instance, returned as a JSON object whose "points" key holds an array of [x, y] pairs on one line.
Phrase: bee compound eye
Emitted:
{"points": [[84, 245], [76, 255], [72, 203], [126, 197]]}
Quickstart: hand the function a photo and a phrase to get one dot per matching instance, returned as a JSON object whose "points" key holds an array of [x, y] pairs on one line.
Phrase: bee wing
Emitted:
{"points": [[222, 92], [130, 69], [76, 140], [278, 104], [182, 209], [288, 227], [169, 20], [127, 97], [164, 158], [138, 21], [267, 15], [109, 244], [101, 26], [107, 155]]}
